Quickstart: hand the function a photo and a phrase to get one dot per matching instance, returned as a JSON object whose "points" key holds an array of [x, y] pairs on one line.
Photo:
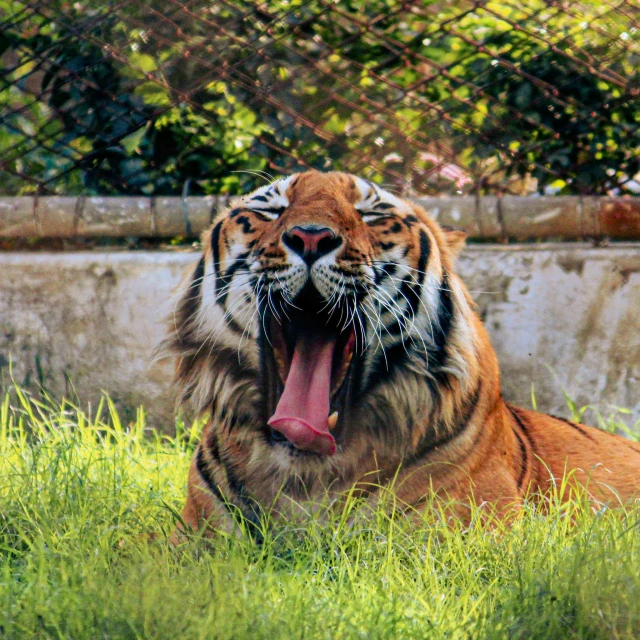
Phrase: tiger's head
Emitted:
{"points": [[325, 310]]}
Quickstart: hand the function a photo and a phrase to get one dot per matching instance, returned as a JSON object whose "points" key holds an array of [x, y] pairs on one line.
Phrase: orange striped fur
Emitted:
{"points": [[421, 404]]}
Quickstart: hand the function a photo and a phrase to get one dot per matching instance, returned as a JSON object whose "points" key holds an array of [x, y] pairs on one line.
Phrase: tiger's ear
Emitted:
{"points": [[455, 241]]}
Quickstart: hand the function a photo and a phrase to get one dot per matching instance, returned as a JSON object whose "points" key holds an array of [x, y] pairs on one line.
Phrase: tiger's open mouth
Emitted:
{"points": [[311, 354]]}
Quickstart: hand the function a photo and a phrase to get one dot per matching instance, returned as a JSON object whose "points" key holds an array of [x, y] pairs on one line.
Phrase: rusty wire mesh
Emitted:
{"points": [[173, 96]]}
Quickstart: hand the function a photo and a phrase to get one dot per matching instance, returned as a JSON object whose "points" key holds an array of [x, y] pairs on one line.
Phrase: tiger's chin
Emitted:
{"points": [[309, 361]]}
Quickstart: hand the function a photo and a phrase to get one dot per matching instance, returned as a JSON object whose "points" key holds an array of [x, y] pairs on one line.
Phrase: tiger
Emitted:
{"points": [[328, 342]]}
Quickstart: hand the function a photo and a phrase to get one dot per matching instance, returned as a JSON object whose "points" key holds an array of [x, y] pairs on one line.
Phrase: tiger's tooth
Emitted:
{"points": [[333, 420]]}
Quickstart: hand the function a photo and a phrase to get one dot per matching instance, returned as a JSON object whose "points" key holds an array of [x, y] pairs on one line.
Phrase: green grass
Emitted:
{"points": [[78, 495]]}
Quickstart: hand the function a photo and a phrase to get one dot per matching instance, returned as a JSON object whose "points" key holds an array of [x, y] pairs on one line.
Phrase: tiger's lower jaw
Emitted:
{"points": [[308, 362]]}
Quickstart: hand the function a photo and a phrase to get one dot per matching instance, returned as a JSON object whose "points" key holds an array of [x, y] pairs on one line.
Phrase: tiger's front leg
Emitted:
{"points": [[206, 509]]}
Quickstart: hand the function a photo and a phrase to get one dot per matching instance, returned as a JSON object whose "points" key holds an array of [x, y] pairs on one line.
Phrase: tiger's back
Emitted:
{"points": [[606, 464]]}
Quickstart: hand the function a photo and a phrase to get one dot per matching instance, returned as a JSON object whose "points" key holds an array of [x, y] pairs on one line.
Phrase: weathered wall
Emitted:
{"points": [[487, 217], [562, 317], [559, 315]]}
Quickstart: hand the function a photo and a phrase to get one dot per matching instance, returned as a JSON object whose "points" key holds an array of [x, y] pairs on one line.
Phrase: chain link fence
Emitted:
{"points": [[191, 97]]}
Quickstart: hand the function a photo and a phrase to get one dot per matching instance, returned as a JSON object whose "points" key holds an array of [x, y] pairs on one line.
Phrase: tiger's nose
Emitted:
{"points": [[311, 242]]}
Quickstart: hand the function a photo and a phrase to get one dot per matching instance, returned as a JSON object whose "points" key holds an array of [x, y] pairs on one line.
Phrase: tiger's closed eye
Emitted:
{"points": [[376, 216], [268, 213], [381, 212]]}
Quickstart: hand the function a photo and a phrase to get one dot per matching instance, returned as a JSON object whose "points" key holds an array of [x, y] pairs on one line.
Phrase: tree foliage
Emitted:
{"points": [[159, 97]]}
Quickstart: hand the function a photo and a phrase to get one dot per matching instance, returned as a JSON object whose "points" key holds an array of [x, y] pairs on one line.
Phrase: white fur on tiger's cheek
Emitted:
{"points": [[395, 256], [217, 309], [238, 247], [210, 313], [242, 307], [431, 295]]}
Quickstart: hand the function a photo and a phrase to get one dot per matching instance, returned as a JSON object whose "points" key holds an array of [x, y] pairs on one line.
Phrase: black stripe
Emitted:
{"points": [[250, 510], [517, 418], [201, 466], [524, 466], [445, 319], [274, 210], [215, 248], [236, 212], [261, 216], [630, 443], [238, 419], [425, 249], [409, 289], [385, 206], [429, 442], [222, 280], [248, 506], [520, 422], [293, 183], [392, 358], [246, 224], [212, 441], [189, 304], [377, 214], [235, 484], [394, 328], [240, 261], [196, 282], [388, 269], [579, 428], [232, 324], [378, 221], [411, 293], [260, 198]]}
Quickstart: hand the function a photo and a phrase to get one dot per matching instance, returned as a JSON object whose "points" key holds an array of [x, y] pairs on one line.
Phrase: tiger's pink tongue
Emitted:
{"points": [[303, 410]]}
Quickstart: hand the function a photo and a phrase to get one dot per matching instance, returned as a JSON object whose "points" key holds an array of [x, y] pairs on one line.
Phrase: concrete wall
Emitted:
{"points": [[487, 217], [561, 316]]}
